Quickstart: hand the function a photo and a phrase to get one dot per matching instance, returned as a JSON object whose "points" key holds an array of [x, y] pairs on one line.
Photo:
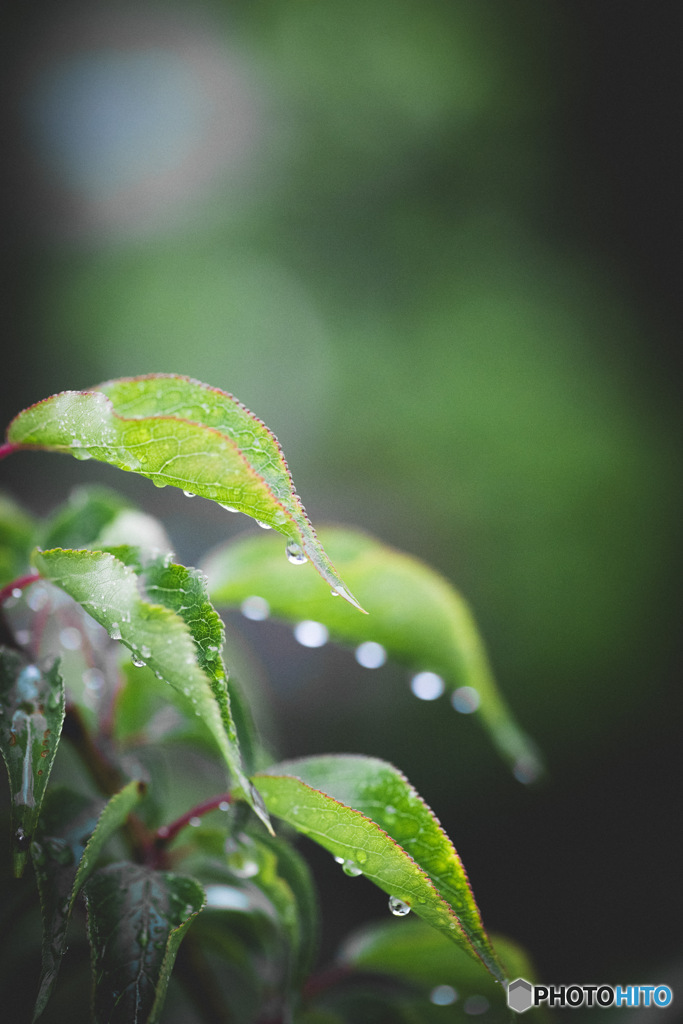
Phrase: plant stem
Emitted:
{"points": [[19, 584], [7, 448], [166, 833]]}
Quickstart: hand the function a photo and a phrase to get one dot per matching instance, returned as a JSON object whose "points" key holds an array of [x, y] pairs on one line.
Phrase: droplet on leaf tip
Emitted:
{"points": [[264, 526]]}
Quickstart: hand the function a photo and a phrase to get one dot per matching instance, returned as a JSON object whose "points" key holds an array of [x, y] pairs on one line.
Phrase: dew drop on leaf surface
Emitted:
{"points": [[427, 685], [465, 700], [397, 907], [255, 608], [311, 634], [370, 654], [295, 554], [443, 995]]}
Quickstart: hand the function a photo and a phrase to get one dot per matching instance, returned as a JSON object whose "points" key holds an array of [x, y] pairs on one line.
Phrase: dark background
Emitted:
{"points": [[442, 261]]}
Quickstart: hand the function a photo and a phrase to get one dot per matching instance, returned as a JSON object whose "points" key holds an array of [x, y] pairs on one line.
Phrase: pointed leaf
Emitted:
{"points": [[136, 920], [31, 719], [421, 956], [178, 431], [365, 811], [109, 591], [414, 613], [110, 820], [65, 855], [66, 823]]}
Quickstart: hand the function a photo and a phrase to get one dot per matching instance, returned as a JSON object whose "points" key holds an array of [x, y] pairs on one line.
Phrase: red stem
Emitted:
{"points": [[18, 584], [7, 448], [166, 833]]}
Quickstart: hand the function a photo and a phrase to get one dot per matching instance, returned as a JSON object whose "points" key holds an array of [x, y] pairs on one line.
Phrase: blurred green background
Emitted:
{"points": [[432, 246]]}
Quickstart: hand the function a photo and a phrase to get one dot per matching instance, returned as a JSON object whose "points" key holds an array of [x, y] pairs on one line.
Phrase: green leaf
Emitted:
{"points": [[31, 718], [66, 824], [136, 920], [96, 517], [110, 820], [178, 431], [413, 612], [422, 957], [64, 856], [175, 644], [364, 811], [17, 538]]}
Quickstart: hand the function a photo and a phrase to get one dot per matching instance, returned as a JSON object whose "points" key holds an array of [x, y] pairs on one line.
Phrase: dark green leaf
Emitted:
{"points": [[422, 957], [31, 719], [156, 634], [413, 612], [367, 814], [136, 920], [66, 824], [64, 856], [177, 431]]}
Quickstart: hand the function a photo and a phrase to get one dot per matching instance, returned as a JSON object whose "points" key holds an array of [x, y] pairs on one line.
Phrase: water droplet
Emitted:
{"points": [[465, 700], [224, 805], [255, 608], [145, 651], [311, 634], [443, 995], [295, 554], [264, 526], [21, 839], [93, 680], [474, 1005], [17, 592], [340, 860], [195, 822], [370, 654], [37, 597], [80, 453], [189, 494], [397, 907], [157, 482], [427, 685], [115, 631], [228, 508], [70, 638], [137, 661], [361, 856], [242, 857], [333, 592], [351, 869]]}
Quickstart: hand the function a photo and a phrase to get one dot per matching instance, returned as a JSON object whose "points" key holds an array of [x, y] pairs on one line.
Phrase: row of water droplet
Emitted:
{"points": [[370, 654]]}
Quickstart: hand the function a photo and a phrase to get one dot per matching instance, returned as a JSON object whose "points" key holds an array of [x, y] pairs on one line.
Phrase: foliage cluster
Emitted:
{"points": [[164, 837]]}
